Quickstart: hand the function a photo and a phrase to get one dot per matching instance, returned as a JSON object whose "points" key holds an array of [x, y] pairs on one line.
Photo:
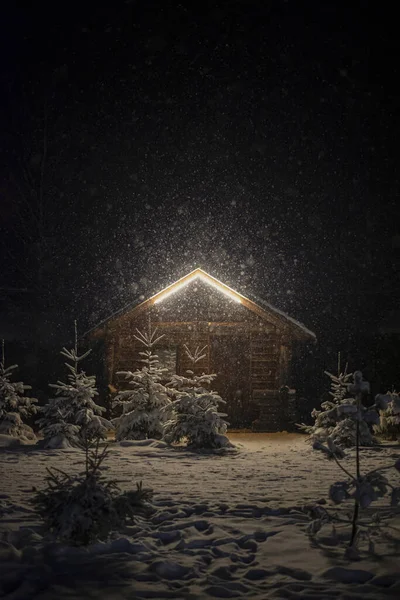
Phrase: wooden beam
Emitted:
{"points": [[212, 326]]}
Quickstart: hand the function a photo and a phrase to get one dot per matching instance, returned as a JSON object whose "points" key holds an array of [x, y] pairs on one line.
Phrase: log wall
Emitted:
{"points": [[250, 355]]}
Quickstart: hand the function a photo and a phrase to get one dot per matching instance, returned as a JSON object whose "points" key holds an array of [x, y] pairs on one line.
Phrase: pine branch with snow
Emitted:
{"points": [[145, 406], [14, 404], [388, 427]]}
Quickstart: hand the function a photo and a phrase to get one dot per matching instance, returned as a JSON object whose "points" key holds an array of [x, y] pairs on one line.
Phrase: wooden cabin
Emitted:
{"points": [[248, 343]]}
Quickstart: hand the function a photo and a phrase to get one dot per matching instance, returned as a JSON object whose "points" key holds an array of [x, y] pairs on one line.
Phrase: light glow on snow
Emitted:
{"points": [[204, 277]]}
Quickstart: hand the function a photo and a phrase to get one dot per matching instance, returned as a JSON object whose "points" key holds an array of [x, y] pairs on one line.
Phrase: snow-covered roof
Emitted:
{"points": [[250, 301], [270, 307]]}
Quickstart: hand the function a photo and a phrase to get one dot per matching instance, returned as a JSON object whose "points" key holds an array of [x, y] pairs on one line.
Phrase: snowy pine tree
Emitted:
{"points": [[338, 416], [389, 417], [195, 416], [145, 406], [362, 488], [72, 416], [14, 405], [84, 508]]}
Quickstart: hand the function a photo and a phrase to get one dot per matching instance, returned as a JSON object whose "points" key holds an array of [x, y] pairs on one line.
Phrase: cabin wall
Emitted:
{"points": [[250, 355]]}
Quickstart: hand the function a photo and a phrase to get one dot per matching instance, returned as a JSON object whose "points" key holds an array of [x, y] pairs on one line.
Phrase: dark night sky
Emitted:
{"points": [[257, 140]]}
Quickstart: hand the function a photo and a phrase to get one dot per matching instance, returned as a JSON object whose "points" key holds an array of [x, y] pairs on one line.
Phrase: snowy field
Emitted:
{"points": [[227, 525]]}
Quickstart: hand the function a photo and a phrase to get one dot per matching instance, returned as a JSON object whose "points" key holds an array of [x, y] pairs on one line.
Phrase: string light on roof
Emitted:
{"points": [[211, 281]]}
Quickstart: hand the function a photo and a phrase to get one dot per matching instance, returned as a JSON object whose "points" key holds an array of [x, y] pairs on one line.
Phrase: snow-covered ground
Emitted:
{"points": [[228, 525]]}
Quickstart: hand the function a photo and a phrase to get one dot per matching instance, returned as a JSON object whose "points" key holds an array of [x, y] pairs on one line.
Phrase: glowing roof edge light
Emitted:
{"points": [[212, 281]]}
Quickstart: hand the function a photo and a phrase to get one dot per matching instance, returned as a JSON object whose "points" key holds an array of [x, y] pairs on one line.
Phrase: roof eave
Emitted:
{"points": [[298, 330]]}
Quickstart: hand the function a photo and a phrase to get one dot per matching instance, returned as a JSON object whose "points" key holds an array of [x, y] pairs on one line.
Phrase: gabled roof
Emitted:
{"points": [[262, 308]]}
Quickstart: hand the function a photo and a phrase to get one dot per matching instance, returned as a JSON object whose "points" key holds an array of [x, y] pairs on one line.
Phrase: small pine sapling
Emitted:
{"points": [[195, 417], [362, 489], [340, 417], [84, 508], [388, 427], [14, 404], [145, 406], [72, 416]]}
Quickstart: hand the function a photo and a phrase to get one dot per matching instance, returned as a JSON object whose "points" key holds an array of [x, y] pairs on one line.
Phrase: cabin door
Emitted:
{"points": [[230, 360]]}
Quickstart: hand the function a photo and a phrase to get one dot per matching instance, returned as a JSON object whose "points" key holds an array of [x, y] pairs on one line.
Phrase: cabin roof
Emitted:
{"points": [[257, 305]]}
